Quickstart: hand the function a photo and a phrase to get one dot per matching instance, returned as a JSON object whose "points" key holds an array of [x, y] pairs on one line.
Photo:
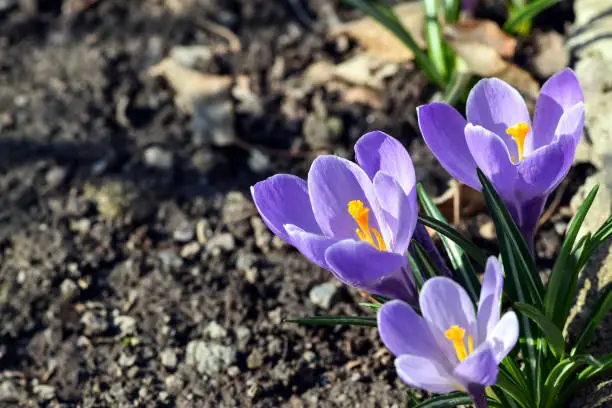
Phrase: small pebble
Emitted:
{"points": [[169, 359], [44, 392], [159, 158], [209, 358], [126, 360], [126, 325], [221, 242], [190, 250], [323, 294], [174, 384], [94, 322], [255, 360], [69, 290], [215, 331], [242, 333], [233, 371]]}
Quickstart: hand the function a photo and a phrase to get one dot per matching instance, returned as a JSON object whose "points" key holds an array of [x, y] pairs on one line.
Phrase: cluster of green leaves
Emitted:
{"points": [[443, 68], [544, 370]]}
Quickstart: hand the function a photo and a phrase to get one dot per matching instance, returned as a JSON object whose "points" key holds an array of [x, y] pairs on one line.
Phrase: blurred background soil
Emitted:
{"points": [[134, 270]]}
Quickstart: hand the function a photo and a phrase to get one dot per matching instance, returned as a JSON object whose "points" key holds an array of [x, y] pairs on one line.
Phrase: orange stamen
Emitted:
{"points": [[361, 215], [519, 134]]}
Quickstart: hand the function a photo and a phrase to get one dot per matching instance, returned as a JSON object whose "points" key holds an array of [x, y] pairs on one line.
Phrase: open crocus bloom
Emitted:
{"points": [[450, 348], [353, 220], [524, 161]]}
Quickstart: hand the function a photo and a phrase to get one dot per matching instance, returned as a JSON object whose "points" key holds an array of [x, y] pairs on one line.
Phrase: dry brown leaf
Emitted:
{"points": [[459, 201], [365, 69], [375, 38], [483, 60], [189, 84], [363, 95], [484, 32]]}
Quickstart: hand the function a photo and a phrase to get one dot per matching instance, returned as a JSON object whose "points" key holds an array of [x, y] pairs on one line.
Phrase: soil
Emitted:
{"points": [[127, 281]]}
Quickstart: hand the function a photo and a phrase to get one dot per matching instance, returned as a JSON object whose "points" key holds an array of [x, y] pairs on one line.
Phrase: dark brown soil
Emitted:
{"points": [[104, 280]]}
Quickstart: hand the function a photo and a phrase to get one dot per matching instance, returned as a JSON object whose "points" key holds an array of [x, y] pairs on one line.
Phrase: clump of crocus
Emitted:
{"points": [[353, 220], [450, 347], [524, 161]]}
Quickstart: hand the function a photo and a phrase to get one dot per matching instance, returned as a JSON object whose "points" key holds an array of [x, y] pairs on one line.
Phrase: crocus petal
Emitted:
{"points": [[442, 128], [444, 303], [312, 246], [504, 336], [571, 123], [529, 214], [544, 168], [490, 297], [559, 93], [332, 183], [421, 372], [377, 151], [283, 199], [400, 210], [405, 332], [496, 106], [491, 155], [359, 264], [479, 368]]}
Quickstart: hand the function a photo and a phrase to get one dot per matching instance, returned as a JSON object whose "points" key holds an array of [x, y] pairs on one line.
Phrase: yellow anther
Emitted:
{"points": [[361, 214], [519, 133], [456, 335], [470, 345]]}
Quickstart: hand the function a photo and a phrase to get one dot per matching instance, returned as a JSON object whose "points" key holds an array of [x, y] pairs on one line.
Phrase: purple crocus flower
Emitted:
{"points": [[524, 162], [353, 220], [451, 348]]}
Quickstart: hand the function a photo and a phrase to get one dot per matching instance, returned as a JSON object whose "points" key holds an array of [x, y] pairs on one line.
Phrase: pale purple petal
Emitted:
{"points": [[571, 123], [312, 246], [504, 336], [426, 374], [490, 298], [332, 183], [377, 151], [283, 199], [491, 155], [359, 264], [558, 94], [496, 106], [444, 303], [400, 211], [405, 332], [544, 169], [442, 128], [479, 368]]}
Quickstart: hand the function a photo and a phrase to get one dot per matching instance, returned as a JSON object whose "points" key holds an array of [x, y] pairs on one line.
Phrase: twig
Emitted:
{"points": [[223, 32]]}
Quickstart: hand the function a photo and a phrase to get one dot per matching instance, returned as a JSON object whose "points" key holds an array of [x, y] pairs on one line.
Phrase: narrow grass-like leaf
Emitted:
{"points": [[416, 271], [433, 34], [385, 15], [371, 306], [526, 13], [562, 284], [512, 390], [452, 400], [335, 321], [446, 230], [595, 240], [523, 280], [603, 306], [551, 332], [603, 367], [465, 273], [425, 263]]}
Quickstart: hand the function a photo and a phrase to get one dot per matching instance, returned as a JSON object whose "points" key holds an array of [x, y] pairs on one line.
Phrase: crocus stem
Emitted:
{"points": [[422, 237], [479, 397]]}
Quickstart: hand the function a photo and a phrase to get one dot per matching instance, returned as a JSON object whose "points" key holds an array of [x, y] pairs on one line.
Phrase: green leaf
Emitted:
{"points": [[465, 273], [551, 332], [426, 265], [603, 306], [446, 230], [603, 366], [522, 278], [510, 388], [433, 35], [562, 284], [594, 241], [371, 306], [452, 400], [385, 15], [414, 266], [334, 321], [526, 14]]}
